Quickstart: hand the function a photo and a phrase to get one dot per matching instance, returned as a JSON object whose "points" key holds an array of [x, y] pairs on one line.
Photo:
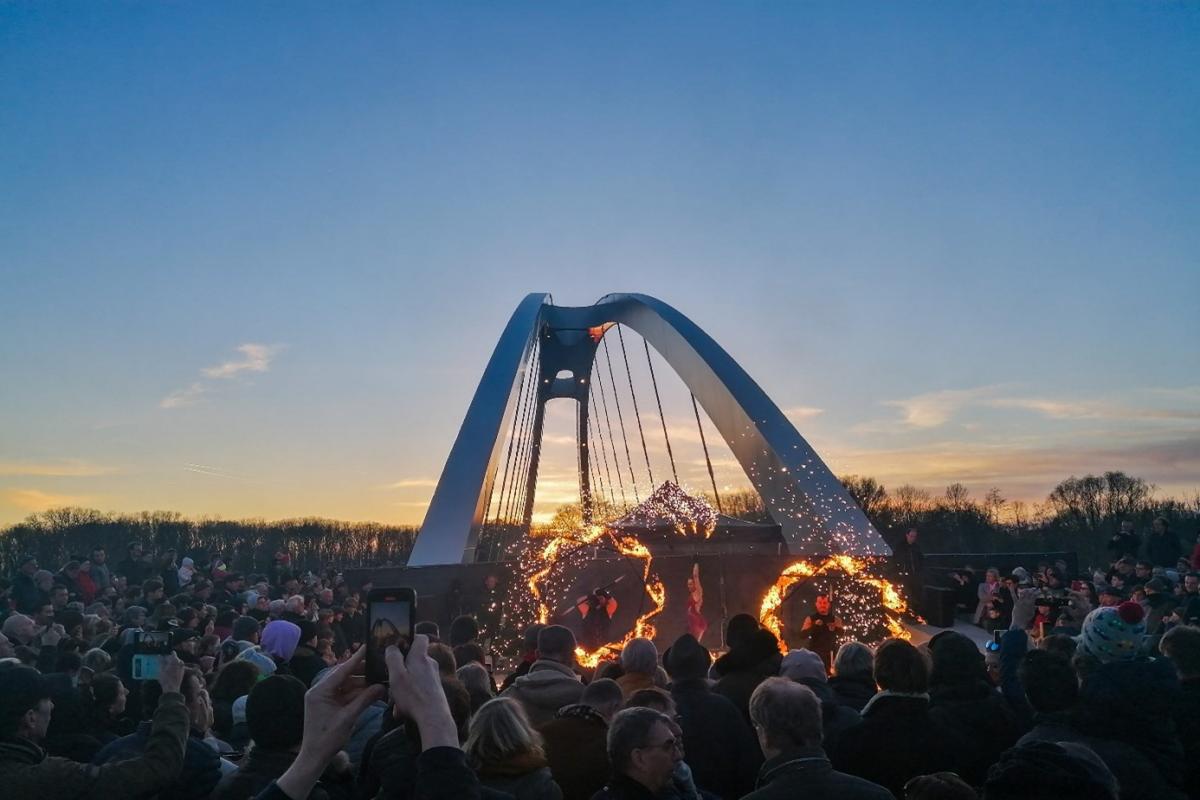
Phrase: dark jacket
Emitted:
{"points": [[806, 773], [621, 787], [441, 774], [25, 771], [28, 597], [717, 743], [524, 779], [1187, 721], [1162, 549], [983, 720], [897, 740], [835, 717], [201, 763], [576, 750], [260, 767], [854, 693], [305, 664], [744, 667], [1123, 544], [546, 688]]}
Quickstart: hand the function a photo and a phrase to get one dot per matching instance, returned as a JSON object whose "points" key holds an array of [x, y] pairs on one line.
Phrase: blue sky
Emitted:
{"points": [[960, 240]]}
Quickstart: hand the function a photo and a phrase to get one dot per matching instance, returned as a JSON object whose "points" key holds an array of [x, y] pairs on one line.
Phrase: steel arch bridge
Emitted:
{"points": [[549, 351]]}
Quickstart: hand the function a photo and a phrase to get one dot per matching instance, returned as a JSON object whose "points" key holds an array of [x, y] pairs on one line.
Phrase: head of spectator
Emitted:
{"points": [[1049, 771], [786, 716], [938, 786], [195, 696], [1113, 634], [275, 713], [426, 627], [259, 658], [295, 605], [469, 653], [609, 669], [246, 629], [463, 629], [444, 656], [640, 657], [234, 680], [687, 659], [900, 667], [25, 705], [854, 662], [104, 698], [1060, 644], [658, 699], [6, 647], [276, 608], [28, 565], [1049, 680], [1111, 596], [475, 679], [956, 660], [642, 748], [44, 579], [739, 629], [19, 629], [802, 666], [1191, 583], [1181, 645], [500, 740], [153, 592], [280, 639], [603, 696], [556, 643]]}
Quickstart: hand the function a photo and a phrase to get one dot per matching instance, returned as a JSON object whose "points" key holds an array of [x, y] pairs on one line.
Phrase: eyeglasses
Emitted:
{"points": [[666, 746]]}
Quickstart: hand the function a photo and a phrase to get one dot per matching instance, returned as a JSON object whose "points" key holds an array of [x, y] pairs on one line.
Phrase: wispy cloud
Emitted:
{"points": [[1076, 409], [801, 413], [254, 358], [37, 500], [66, 468], [216, 472], [183, 397], [413, 483], [932, 409]]}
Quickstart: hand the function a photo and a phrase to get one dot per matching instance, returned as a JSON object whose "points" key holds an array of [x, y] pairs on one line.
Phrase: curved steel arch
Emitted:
{"points": [[814, 511]]}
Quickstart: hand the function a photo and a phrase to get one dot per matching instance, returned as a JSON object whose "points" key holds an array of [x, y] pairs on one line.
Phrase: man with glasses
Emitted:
{"points": [[644, 752]]}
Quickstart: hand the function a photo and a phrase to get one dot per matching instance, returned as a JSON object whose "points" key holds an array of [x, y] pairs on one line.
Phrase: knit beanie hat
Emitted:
{"points": [[259, 658], [686, 658], [1114, 634], [801, 665], [275, 712]]}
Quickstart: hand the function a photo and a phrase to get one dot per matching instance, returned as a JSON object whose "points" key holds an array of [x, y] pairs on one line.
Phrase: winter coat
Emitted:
{"points": [[441, 774], [835, 717], [1162, 549], [717, 743], [305, 664], [985, 724], [743, 668], [525, 778], [807, 773], [547, 687], [897, 740], [26, 771], [259, 768], [28, 597], [1123, 544], [622, 787], [1187, 721], [853, 693], [201, 763], [576, 751]]}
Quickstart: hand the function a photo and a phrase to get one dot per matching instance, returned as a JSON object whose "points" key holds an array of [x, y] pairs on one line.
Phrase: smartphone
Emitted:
{"points": [[149, 650], [391, 617]]}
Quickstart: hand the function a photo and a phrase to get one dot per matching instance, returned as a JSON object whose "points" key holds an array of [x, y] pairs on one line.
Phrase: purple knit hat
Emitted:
{"points": [[280, 638]]}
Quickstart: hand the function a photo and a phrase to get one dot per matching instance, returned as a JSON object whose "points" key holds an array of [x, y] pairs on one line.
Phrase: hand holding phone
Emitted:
{"points": [[391, 617]]}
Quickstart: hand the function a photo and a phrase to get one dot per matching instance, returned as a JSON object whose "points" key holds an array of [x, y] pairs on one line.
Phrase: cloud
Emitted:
{"points": [[1064, 409], [66, 468], [801, 413], [932, 409], [37, 500], [413, 483], [255, 358], [183, 397]]}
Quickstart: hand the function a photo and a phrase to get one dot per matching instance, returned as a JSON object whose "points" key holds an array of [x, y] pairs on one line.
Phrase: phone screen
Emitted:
{"points": [[390, 617]]}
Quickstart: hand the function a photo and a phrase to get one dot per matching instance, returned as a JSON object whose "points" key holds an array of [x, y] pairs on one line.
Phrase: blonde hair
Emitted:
{"points": [[499, 731]]}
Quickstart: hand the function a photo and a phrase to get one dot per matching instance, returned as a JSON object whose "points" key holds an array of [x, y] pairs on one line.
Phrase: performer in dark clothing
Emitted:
{"points": [[821, 629], [909, 561], [597, 610]]}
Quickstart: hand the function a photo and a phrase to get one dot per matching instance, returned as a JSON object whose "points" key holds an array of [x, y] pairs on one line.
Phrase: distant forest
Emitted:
{"points": [[1080, 514]]}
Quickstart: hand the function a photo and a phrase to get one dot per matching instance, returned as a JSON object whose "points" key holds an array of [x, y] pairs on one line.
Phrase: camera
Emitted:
{"points": [[149, 650]]}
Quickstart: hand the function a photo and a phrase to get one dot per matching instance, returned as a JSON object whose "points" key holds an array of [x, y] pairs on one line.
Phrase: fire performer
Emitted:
{"points": [[597, 610], [696, 623], [821, 629]]}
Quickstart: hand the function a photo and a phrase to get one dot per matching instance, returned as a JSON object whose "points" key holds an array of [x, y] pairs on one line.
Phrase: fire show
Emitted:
{"points": [[638, 555]]}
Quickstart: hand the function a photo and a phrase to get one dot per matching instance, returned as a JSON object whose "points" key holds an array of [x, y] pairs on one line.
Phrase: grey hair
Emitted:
{"points": [[787, 712], [475, 677], [628, 731], [97, 660], [855, 661], [640, 656], [499, 731]]}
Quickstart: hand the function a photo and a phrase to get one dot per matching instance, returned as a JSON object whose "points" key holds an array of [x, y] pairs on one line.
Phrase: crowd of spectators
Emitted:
{"points": [[1093, 695]]}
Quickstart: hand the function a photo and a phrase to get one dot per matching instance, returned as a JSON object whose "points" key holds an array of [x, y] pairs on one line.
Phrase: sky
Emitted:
{"points": [[254, 256]]}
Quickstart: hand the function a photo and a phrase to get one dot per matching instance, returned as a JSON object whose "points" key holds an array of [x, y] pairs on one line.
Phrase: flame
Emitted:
{"points": [[892, 600]]}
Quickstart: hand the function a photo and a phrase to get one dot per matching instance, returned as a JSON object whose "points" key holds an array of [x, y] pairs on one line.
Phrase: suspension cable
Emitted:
{"points": [[621, 419], [636, 414], [526, 420], [612, 443], [603, 449], [512, 435], [707, 460], [527, 458], [663, 419]]}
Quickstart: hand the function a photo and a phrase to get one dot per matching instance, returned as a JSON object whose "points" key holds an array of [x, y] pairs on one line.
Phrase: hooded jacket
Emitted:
{"points": [[547, 687], [745, 666]]}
